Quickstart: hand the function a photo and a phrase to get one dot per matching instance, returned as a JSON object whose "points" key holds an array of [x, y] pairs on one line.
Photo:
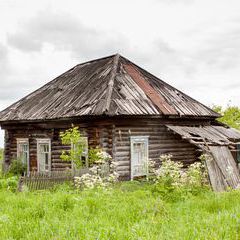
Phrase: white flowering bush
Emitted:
{"points": [[102, 157], [88, 181], [171, 174], [98, 156], [196, 175], [101, 175], [151, 166], [113, 177]]}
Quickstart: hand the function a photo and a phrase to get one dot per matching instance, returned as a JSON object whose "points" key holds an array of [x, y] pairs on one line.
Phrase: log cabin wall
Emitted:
{"points": [[161, 141], [97, 136], [112, 135], [11, 137]]}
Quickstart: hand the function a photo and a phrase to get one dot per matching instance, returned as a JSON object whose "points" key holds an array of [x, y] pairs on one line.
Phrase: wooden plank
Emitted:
{"points": [[226, 164], [217, 180]]}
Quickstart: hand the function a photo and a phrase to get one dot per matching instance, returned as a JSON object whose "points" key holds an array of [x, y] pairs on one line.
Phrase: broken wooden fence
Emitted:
{"points": [[47, 180]]}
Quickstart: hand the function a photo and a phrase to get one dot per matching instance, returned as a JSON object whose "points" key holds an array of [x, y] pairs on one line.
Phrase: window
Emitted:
{"points": [[139, 156], [44, 155], [23, 150], [84, 156]]}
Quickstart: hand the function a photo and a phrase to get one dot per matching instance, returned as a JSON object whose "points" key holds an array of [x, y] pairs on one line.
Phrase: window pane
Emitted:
{"points": [[139, 152], [46, 148], [23, 152]]}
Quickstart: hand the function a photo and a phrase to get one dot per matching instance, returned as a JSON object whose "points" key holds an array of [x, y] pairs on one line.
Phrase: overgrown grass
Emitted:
{"points": [[128, 211]]}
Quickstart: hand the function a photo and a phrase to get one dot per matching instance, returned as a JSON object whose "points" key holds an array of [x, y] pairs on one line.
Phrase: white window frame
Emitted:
{"points": [[85, 153], [139, 139], [23, 141], [44, 141]]}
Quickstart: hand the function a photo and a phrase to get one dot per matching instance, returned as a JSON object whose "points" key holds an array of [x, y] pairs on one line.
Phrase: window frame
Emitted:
{"points": [[44, 141], [23, 141], [85, 154]]}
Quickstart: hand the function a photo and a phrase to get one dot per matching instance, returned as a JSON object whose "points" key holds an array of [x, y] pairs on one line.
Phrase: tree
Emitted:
{"points": [[73, 137], [230, 115]]}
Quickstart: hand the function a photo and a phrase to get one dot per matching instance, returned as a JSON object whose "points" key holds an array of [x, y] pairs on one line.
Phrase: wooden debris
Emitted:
{"points": [[213, 135], [225, 162]]}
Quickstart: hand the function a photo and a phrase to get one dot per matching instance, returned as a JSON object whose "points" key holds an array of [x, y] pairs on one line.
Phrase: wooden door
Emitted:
{"points": [[139, 156]]}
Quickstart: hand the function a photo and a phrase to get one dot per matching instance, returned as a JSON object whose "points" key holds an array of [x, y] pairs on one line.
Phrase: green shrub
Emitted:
{"points": [[173, 183], [10, 183], [17, 167], [169, 173]]}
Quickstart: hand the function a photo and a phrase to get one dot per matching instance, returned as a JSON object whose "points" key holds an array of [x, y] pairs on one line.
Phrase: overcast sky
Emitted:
{"points": [[191, 44]]}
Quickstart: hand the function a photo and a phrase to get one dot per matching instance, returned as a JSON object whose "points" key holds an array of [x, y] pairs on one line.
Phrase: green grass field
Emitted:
{"points": [[129, 211]]}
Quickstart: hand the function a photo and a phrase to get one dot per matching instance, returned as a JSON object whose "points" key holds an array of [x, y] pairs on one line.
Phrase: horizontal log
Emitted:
{"points": [[156, 146], [124, 173], [123, 163], [151, 138], [123, 168], [54, 165]]}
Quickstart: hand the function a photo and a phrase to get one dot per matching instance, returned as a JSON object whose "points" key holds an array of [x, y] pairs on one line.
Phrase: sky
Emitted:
{"points": [[191, 44]]}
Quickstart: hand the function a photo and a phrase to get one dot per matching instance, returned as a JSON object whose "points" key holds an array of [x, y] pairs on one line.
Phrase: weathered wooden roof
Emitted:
{"points": [[207, 135], [108, 86]]}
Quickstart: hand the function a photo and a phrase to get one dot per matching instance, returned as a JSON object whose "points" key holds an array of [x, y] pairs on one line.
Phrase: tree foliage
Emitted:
{"points": [[73, 137], [17, 167], [230, 115]]}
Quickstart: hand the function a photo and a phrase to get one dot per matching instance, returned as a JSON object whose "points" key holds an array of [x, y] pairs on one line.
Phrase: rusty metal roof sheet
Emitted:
{"points": [[108, 86]]}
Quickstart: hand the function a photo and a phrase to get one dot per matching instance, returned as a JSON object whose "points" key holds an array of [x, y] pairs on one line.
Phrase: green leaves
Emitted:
{"points": [[73, 137], [17, 167], [230, 115], [70, 136]]}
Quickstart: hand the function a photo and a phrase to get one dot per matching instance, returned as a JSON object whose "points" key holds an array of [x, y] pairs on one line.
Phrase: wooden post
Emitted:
{"points": [[20, 184]]}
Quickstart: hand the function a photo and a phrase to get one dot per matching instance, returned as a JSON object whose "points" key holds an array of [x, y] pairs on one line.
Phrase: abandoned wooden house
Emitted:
{"points": [[126, 111]]}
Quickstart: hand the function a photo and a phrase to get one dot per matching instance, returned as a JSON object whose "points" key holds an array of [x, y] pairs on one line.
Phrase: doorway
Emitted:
{"points": [[139, 156]]}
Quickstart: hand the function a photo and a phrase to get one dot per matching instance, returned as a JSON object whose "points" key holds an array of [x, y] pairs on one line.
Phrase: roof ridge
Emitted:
{"points": [[111, 83], [95, 60]]}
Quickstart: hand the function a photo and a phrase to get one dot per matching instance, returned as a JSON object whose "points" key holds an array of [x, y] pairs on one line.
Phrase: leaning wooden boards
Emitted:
{"points": [[223, 171]]}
